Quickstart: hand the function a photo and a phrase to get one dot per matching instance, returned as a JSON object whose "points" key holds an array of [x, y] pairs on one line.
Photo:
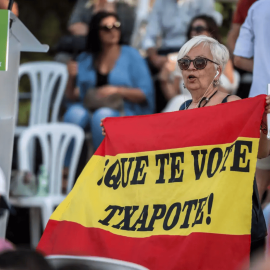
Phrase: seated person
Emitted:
{"points": [[172, 87], [108, 68]]}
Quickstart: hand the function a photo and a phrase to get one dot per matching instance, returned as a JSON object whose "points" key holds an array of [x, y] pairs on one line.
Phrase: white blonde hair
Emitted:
{"points": [[219, 52]]}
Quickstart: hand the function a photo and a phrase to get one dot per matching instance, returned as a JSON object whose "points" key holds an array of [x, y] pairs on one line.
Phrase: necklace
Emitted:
{"points": [[203, 98], [206, 100]]}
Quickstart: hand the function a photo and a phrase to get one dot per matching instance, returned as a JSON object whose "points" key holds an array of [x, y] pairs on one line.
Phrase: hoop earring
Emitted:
{"points": [[184, 86], [216, 83]]}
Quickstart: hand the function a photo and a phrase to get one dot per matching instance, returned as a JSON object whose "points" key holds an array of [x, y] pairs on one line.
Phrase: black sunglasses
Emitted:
{"points": [[109, 27], [199, 29], [198, 62]]}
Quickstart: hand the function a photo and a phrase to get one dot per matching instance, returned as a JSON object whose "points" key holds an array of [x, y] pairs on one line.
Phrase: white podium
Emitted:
{"points": [[20, 40]]}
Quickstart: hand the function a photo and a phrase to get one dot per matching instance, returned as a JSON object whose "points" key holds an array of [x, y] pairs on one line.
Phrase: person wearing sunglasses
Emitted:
{"points": [[206, 25], [201, 61], [166, 33], [172, 83], [108, 68]]}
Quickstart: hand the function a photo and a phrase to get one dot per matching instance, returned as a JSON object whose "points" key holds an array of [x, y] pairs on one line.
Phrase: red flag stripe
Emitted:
{"points": [[174, 251], [206, 131]]}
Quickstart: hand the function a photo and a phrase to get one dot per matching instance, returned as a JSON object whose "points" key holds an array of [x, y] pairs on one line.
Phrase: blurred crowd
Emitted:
{"points": [[121, 58]]}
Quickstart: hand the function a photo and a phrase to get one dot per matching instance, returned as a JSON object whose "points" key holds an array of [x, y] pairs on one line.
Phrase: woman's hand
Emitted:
{"points": [[158, 60], [264, 144], [103, 129], [267, 107], [72, 92], [267, 110], [79, 29], [106, 91], [72, 67], [166, 71]]}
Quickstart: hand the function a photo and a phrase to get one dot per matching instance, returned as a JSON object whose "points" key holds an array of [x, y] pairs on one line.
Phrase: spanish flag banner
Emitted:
{"points": [[166, 191]]}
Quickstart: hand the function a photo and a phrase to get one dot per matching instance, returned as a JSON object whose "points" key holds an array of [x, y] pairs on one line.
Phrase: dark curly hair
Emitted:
{"points": [[93, 42], [211, 25]]}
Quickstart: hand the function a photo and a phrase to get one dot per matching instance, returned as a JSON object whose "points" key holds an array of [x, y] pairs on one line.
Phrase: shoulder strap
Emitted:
{"points": [[185, 105], [225, 100]]}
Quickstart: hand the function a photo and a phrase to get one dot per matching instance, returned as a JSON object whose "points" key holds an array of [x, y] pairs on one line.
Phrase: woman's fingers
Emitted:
{"points": [[103, 129], [101, 122], [72, 68], [267, 110], [267, 107]]}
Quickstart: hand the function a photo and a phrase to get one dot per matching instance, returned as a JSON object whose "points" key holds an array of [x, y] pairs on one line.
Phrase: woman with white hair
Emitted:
{"points": [[201, 61]]}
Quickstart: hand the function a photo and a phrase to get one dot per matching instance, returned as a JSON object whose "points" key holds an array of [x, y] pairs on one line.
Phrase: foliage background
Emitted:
{"points": [[47, 20]]}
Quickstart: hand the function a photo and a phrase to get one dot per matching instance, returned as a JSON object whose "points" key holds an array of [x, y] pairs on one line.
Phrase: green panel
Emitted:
{"points": [[4, 32]]}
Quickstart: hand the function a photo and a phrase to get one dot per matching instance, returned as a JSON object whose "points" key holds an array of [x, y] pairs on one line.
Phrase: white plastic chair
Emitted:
{"points": [[43, 77], [93, 262], [54, 139]]}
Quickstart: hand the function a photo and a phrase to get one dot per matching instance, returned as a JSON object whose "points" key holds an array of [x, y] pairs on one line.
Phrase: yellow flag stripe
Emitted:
{"points": [[196, 193]]}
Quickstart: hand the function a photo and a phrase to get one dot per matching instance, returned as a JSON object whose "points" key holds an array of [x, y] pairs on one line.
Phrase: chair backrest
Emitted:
{"points": [[48, 81], [93, 262], [54, 139]]}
